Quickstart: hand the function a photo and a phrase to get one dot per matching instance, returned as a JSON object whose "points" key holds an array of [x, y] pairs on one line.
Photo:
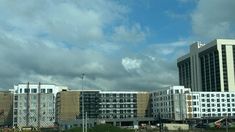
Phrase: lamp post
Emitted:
{"points": [[83, 125]]}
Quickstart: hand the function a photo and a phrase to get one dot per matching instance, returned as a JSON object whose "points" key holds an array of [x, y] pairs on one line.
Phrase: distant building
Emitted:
{"points": [[102, 106], [210, 104], [6, 108], [34, 104], [209, 67], [178, 103], [118, 105], [170, 103]]}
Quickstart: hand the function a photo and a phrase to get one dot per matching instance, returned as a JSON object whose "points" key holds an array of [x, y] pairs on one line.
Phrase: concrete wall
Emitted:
{"points": [[5, 108], [68, 106], [143, 104]]}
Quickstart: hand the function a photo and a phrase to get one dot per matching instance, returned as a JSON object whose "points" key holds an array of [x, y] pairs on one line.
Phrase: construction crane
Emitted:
{"points": [[218, 122]]}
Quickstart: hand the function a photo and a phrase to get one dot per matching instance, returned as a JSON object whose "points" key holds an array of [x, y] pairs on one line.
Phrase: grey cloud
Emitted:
{"points": [[56, 41], [214, 19], [133, 34]]}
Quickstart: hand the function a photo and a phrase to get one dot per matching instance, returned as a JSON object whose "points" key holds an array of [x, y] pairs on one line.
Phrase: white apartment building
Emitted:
{"points": [[169, 103], [209, 67], [179, 103], [210, 104], [34, 104]]}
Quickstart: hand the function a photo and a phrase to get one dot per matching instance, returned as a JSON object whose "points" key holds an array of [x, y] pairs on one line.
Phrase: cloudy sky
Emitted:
{"points": [[119, 45]]}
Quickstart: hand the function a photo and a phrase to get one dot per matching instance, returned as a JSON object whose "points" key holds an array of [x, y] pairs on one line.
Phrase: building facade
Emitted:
{"points": [[118, 105], [67, 105], [178, 103], [6, 108], [34, 105], [170, 103], [209, 67], [210, 104], [102, 106]]}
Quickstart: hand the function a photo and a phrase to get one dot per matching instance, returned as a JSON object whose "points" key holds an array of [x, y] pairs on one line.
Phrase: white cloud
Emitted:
{"points": [[131, 64]]}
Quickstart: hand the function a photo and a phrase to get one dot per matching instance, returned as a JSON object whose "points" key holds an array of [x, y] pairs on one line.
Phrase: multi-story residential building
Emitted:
{"points": [[209, 67], [210, 104], [169, 103], [6, 108], [118, 104], [34, 104], [179, 103], [102, 106]]}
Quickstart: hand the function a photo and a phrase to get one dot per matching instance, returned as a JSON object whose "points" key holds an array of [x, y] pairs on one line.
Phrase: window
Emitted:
{"points": [[176, 91], [26, 90], [49, 90], [34, 90], [43, 90]]}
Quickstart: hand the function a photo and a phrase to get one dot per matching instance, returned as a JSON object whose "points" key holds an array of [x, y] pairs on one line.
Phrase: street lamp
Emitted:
{"points": [[83, 128]]}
